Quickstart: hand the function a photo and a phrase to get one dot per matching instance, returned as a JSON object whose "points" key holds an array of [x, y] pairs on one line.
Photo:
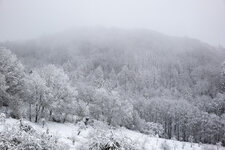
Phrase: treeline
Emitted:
{"points": [[125, 78]]}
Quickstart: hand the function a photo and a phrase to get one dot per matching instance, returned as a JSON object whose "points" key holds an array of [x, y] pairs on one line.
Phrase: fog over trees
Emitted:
{"points": [[112, 75], [138, 79]]}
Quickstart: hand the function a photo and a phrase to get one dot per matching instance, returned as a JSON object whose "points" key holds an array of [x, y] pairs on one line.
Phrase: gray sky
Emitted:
{"points": [[201, 19]]}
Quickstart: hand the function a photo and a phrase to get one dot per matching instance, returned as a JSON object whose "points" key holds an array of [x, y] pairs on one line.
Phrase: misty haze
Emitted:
{"points": [[112, 75]]}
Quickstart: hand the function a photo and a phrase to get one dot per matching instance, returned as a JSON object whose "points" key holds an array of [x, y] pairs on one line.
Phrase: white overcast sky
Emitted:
{"points": [[201, 19]]}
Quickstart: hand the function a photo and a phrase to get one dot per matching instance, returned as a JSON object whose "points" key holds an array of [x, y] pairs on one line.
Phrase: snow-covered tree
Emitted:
{"points": [[3, 88], [11, 79], [111, 82], [38, 96], [97, 77], [222, 78], [63, 94]]}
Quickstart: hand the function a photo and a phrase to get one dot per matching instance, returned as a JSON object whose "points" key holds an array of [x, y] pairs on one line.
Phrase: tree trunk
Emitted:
{"points": [[37, 113], [42, 111], [30, 113], [64, 119], [50, 115]]}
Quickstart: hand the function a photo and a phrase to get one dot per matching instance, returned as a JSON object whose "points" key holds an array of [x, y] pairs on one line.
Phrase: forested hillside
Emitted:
{"points": [[139, 79]]}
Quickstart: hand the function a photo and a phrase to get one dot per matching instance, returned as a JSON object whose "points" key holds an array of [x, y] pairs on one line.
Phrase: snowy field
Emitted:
{"points": [[65, 131]]}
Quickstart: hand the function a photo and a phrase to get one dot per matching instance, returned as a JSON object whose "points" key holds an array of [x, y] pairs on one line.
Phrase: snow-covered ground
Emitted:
{"points": [[67, 130]]}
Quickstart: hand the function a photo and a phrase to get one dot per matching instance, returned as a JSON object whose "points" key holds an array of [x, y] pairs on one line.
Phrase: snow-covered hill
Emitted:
{"points": [[67, 132]]}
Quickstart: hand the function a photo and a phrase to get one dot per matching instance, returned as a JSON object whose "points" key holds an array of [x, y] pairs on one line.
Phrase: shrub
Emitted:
{"points": [[2, 118], [165, 146], [105, 140], [152, 128], [103, 137], [208, 147], [24, 137]]}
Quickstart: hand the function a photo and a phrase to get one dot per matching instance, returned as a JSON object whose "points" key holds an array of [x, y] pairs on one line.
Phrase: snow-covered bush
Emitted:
{"points": [[219, 145], [24, 137], [191, 139], [165, 146], [109, 140], [81, 126], [104, 138], [2, 118], [208, 147], [183, 145], [137, 123], [100, 125], [152, 128], [73, 138]]}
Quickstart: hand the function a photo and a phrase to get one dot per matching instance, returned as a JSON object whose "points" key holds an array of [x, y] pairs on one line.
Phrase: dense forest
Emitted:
{"points": [[138, 79]]}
